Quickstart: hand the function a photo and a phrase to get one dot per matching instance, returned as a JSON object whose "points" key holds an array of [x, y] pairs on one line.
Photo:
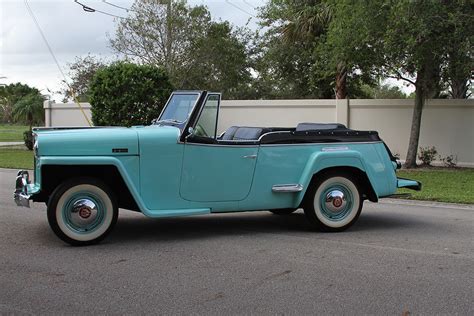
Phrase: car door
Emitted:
{"points": [[214, 172]]}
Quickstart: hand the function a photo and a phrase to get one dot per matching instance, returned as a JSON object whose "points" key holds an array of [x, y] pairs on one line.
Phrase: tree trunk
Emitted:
{"points": [[341, 81], [169, 35], [415, 127], [459, 88], [30, 120]]}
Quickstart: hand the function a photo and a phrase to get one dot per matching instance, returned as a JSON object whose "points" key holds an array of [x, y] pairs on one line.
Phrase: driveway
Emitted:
{"points": [[399, 257]]}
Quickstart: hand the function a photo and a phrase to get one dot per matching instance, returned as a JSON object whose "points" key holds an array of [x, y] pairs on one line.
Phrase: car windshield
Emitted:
{"points": [[178, 108]]}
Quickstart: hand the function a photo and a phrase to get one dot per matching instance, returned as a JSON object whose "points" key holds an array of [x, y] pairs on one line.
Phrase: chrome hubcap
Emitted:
{"points": [[83, 213], [335, 201]]}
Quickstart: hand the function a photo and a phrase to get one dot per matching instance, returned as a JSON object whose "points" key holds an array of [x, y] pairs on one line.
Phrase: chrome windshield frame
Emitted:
{"points": [[181, 125], [201, 109]]}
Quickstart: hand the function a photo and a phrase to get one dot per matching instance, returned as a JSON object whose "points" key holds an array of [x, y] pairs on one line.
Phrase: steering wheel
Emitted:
{"points": [[199, 131]]}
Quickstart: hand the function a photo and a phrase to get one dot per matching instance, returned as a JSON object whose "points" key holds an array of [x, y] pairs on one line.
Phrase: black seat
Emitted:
{"points": [[229, 133], [303, 127], [248, 133], [243, 133]]}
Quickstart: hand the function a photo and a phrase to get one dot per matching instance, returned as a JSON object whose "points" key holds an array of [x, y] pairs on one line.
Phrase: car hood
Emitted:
{"points": [[94, 141]]}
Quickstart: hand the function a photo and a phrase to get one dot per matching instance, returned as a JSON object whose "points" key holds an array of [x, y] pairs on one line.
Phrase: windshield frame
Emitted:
{"points": [[181, 125]]}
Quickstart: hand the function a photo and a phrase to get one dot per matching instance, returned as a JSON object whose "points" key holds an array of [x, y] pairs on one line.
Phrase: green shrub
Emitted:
{"points": [[427, 155], [28, 138], [127, 94], [449, 161]]}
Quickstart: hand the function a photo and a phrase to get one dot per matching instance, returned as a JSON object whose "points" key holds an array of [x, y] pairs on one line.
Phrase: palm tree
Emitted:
{"points": [[29, 109], [310, 20]]}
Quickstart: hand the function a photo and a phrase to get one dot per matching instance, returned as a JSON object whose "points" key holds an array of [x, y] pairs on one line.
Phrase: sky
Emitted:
{"points": [[70, 31]]}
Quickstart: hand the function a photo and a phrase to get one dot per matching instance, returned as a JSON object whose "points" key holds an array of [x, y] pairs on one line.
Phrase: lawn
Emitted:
{"points": [[442, 184], [12, 133], [16, 157]]}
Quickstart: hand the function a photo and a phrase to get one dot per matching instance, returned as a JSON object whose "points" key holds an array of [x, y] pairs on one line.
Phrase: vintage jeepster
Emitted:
{"points": [[180, 166]]}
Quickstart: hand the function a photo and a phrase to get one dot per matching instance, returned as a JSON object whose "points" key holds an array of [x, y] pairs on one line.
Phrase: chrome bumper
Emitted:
{"points": [[20, 195]]}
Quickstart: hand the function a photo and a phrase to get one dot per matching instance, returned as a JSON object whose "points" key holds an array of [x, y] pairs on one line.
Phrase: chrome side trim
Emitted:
{"points": [[250, 156], [321, 143], [335, 148], [237, 145], [287, 188]]}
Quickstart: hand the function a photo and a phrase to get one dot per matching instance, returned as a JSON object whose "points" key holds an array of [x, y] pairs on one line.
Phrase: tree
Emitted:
{"points": [[458, 68], [220, 62], [385, 91], [196, 52], [284, 66], [81, 72], [351, 47], [336, 59], [160, 33], [10, 95], [286, 58], [128, 94], [29, 109], [418, 39]]}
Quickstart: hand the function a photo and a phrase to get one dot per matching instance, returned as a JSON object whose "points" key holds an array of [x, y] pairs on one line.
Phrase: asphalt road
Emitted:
{"points": [[399, 257]]}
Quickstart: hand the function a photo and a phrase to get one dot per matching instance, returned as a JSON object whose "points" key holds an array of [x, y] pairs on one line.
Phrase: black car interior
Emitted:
{"points": [[303, 133]]}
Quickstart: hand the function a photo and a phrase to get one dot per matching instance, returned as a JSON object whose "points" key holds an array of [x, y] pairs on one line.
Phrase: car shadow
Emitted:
{"points": [[239, 224], [206, 226]]}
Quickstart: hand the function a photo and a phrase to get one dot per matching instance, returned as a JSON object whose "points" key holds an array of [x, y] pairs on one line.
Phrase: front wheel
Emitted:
{"points": [[82, 211], [334, 203]]}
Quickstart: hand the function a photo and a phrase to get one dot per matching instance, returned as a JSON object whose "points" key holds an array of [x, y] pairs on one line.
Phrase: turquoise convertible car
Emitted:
{"points": [[180, 166]]}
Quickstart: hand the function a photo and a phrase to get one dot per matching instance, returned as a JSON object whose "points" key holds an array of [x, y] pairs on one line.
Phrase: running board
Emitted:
{"points": [[178, 212]]}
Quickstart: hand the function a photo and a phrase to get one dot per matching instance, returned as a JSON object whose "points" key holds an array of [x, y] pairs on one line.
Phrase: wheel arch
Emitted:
{"points": [[52, 175], [357, 174]]}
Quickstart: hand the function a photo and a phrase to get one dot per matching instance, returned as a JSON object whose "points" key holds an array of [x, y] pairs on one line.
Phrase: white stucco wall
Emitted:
{"points": [[446, 124]]}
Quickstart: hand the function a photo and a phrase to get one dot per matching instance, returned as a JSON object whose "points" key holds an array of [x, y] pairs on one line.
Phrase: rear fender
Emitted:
{"points": [[325, 160]]}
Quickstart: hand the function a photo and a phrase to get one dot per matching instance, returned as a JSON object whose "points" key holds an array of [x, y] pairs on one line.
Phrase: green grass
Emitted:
{"points": [[16, 157], [442, 184], [12, 133]]}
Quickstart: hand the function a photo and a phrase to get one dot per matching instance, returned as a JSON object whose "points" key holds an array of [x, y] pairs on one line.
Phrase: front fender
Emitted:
{"points": [[126, 165]]}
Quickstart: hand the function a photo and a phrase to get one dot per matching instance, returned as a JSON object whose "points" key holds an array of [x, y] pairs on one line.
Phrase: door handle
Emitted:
{"points": [[250, 156]]}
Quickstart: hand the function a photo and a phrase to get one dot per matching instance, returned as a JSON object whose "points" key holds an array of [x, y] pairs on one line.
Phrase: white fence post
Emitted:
{"points": [[47, 113], [342, 111]]}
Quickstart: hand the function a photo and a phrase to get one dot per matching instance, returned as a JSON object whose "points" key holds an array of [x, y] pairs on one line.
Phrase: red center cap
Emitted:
{"points": [[337, 202], [84, 212]]}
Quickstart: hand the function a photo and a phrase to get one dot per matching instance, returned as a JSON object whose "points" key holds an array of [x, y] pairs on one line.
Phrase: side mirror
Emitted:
{"points": [[190, 133]]}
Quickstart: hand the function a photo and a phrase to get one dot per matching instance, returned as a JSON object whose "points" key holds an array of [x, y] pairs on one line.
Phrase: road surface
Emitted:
{"points": [[399, 257]]}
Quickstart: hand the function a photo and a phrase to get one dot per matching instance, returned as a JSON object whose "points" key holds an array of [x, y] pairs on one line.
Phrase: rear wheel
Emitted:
{"points": [[82, 211], [334, 203]]}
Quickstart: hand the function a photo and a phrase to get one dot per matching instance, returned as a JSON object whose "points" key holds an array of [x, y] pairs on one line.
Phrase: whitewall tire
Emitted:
{"points": [[334, 203], [82, 211]]}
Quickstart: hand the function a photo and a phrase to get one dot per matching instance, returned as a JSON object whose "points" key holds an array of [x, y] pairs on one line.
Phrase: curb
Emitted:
{"points": [[427, 203], [6, 144]]}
